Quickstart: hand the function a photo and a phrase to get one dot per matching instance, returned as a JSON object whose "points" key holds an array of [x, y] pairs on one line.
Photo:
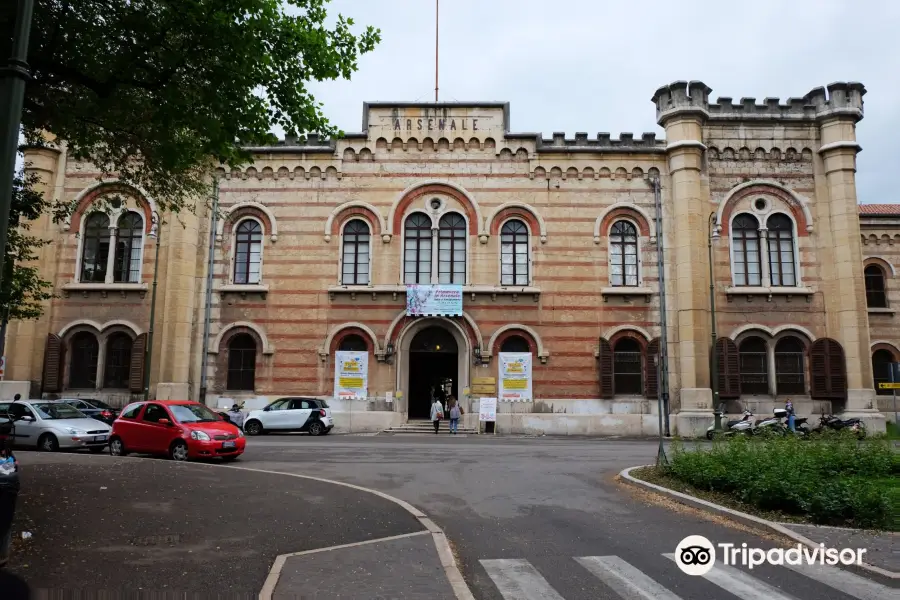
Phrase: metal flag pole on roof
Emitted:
{"points": [[437, 13]]}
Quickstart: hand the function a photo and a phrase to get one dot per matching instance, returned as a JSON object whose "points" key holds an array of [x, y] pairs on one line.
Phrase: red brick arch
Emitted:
{"points": [[105, 190], [765, 190], [352, 212], [629, 333], [498, 343], [471, 336], [435, 188], [888, 347], [220, 382], [248, 211], [624, 212], [515, 212], [348, 331]]}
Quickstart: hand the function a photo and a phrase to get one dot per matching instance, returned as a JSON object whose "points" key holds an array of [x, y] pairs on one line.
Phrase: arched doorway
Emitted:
{"points": [[433, 360]]}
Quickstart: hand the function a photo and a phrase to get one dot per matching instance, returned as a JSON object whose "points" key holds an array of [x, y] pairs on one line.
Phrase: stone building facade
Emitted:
{"points": [[554, 240]]}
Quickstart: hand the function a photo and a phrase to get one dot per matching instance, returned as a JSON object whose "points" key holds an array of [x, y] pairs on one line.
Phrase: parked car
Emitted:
{"points": [[291, 414], [93, 408], [179, 429], [49, 425]]}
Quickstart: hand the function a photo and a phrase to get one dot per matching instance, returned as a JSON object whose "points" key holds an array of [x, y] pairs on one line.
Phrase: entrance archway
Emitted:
{"points": [[431, 351]]}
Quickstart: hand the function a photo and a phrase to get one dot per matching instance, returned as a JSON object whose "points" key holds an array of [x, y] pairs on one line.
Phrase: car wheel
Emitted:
{"points": [[116, 447], [48, 443], [253, 428], [316, 428], [178, 451]]}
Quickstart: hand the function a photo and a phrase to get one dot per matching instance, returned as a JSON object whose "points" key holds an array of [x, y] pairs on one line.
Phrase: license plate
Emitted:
{"points": [[229, 445], [99, 438]]}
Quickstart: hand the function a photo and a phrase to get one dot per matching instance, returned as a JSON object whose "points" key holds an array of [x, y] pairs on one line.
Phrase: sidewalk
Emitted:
{"points": [[882, 548], [110, 526]]}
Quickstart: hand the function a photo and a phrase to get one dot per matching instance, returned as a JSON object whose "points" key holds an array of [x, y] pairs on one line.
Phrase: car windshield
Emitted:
{"points": [[58, 411], [192, 413]]}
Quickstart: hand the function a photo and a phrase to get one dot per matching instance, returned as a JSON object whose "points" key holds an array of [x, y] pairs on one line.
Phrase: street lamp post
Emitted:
{"points": [[714, 358], [12, 94], [148, 351]]}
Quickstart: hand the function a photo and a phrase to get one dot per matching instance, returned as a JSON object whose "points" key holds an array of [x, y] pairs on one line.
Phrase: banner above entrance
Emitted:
{"points": [[434, 300]]}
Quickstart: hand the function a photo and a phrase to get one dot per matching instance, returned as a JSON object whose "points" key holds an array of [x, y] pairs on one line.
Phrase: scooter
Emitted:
{"points": [[837, 424], [743, 425], [773, 424]]}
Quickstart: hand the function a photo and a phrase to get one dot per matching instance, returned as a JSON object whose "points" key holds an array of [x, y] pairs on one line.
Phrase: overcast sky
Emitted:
{"points": [[593, 65]]}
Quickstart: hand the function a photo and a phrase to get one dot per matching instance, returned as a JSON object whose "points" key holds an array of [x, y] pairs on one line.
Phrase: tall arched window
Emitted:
{"points": [[241, 363], [515, 343], [745, 247], [355, 269], [628, 367], [129, 238], [353, 343], [117, 370], [514, 253], [781, 250], [83, 364], [881, 370], [754, 366], [247, 252], [95, 248], [417, 249], [623, 254], [452, 249], [790, 373], [876, 297]]}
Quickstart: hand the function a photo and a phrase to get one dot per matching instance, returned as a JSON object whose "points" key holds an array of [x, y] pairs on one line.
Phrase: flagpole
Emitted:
{"points": [[436, 34]]}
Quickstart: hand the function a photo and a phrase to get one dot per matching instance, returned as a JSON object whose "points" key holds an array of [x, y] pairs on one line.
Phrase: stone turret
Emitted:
{"points": [[681, 97]]}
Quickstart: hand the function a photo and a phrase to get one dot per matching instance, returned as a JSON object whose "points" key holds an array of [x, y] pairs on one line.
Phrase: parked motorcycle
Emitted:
{"points": [[742, 425], [834, 423]]}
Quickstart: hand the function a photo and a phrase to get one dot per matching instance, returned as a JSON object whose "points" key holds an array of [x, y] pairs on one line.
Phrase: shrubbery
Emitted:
{"points": [[834, 480]]}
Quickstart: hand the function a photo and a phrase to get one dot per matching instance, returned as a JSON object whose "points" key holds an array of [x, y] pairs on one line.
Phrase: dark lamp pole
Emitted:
{"points": [[148, 356], [714, 362]]}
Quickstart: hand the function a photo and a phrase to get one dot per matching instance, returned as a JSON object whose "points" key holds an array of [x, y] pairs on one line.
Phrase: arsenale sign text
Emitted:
{"points": [[436, 124]]}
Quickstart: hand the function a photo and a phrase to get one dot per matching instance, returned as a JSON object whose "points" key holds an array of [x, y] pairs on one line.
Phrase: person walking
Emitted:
{"points": [[456, 412], [789, 407], [437, 413]]}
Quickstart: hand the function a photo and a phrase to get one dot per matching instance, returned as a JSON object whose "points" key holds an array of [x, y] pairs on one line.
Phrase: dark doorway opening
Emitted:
{"points": [[433, 359]]}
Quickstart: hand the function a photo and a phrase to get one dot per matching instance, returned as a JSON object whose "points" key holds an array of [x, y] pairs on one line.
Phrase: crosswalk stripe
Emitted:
{"points": [[844, 581], [744, 586], [624, 579], [516, 579]]}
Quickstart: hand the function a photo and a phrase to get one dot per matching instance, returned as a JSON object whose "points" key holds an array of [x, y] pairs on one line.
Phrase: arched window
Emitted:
{"points": [[745, 247], [417, 249], [355, 270], [628, 367], [881, 370], [353, 343], [875, 288], [452, 249], [754, 366], [129, 238], [781, 251], [790, 375], [117, 370], [247, 252], [623, 254], [83, 363], [514, 253], [95, 248], [515, 343], [241, 363]]}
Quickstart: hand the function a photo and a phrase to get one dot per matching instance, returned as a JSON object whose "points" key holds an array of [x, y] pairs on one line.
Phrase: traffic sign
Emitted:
{"points": [[889, 386]]}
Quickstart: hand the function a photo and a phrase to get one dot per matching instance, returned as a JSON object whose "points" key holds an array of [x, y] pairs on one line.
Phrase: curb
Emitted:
{"points": [[740, 517]]}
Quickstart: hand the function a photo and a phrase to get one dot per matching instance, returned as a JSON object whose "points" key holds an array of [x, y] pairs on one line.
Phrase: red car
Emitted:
{"points": [[180, 429]]}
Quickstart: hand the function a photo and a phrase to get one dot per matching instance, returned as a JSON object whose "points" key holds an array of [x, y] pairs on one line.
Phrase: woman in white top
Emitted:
{"points": [[437, 413]]}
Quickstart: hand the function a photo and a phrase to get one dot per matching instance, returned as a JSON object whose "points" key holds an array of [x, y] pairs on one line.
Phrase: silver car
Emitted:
{"points": [[51, 426]]}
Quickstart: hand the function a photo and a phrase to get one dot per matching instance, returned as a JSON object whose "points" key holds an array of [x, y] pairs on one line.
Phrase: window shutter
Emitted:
{"points": [[729, 369], [136, 374], [827, 370], [651, 372], [53, 364], [605, 357]]}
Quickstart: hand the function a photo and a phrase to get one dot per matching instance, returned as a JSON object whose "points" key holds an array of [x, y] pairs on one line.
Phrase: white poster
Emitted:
{"points": [[515, 377], [351, 374], [487, 409]]}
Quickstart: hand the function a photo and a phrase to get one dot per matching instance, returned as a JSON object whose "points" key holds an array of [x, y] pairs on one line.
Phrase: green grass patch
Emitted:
{"points": [[833, 480], [893, 431]]}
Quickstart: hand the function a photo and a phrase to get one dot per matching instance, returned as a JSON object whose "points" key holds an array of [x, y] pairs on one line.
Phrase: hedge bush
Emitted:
{"points": [[834, 480]]}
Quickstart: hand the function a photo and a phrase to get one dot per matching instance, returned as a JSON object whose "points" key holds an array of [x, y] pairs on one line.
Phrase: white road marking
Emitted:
{"points": [[844, 581], [516, 579], [627, 581], [744, 586]]}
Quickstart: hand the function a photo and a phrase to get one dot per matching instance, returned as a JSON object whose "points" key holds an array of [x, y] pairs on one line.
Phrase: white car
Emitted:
{"points": [[291, 414], [50, 426]]}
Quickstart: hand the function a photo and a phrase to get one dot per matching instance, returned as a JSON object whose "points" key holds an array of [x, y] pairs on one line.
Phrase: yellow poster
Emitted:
{"points": [[351, 374]]}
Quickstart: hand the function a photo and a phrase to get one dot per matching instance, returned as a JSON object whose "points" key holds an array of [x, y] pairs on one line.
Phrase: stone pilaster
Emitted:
{"points": [[682, 109], [25, 339], [842, 272]]}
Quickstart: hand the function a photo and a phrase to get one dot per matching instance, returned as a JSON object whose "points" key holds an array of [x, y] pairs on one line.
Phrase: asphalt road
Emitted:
{"points": [[111, 527], [520, 512]]}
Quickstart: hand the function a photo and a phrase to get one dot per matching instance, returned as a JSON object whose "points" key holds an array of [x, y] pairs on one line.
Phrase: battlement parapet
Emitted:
{"points": [[681, 97], [603, 142]]}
